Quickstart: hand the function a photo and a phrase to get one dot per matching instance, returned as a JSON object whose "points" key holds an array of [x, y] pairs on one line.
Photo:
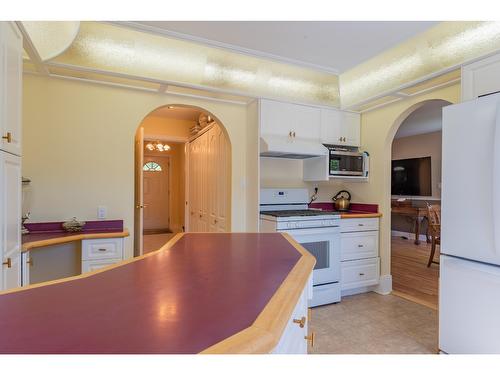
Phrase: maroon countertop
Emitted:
{"points": [[204, 289], [356, 210]]}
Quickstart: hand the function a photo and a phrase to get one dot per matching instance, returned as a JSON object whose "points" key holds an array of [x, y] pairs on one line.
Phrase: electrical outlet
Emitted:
{"points": [[101, 212]]}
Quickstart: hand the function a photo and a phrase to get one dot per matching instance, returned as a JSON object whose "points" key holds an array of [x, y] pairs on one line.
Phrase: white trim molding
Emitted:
{"points": [[384, 286]]}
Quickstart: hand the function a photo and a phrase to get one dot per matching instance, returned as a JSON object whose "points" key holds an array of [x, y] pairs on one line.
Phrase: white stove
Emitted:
{"points": [[286, 210]]}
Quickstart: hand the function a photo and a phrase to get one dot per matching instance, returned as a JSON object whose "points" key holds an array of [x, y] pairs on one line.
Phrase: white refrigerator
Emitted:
{"points": [[469, 285]]}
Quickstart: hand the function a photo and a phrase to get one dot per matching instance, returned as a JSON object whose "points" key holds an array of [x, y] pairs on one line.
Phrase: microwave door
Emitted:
{"points": [[345, 164]]}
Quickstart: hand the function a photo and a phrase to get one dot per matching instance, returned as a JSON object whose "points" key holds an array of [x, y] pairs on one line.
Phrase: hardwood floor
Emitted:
{"points": [[411, 278]]}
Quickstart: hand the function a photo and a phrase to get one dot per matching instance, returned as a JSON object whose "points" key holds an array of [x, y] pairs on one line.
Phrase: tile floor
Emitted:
{"points": [[370, 323]]}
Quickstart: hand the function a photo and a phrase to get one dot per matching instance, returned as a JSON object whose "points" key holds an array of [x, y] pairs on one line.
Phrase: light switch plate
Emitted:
{"points": [[101, 212]]}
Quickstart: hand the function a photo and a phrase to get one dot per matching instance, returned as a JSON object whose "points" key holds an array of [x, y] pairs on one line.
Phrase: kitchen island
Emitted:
{"points": [[208, 293]]}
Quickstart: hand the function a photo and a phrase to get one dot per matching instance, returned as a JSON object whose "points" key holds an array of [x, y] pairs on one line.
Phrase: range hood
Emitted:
{"points": [[284, 147]]}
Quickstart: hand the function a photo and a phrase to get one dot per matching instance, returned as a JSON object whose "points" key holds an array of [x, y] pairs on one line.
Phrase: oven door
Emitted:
{"points": [[324, 244], [346, 163]]}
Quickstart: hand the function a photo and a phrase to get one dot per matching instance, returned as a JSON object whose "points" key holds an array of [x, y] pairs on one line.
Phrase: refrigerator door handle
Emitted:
{"points": [[496, 182]]}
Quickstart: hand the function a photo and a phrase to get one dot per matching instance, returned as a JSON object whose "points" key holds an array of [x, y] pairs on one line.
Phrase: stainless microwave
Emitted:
{"points": [[347, 162]]}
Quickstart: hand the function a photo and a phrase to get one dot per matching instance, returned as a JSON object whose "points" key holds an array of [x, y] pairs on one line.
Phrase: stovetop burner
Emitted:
{"points": [[288, 213]]}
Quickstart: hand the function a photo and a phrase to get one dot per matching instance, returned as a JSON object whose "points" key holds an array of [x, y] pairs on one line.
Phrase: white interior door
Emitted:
{"points": [[156, 193], [139, 202], [471, 180]]}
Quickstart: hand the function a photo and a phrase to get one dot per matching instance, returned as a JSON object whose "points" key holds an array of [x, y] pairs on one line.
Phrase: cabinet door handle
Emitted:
{"points": [[30, 262], [7, 263], [360, 245], [290, 134], [301, 322], [101, 249], [361, 225], [361, 274], [310, 338], [293, 134], [8, 137], [340, 139]]}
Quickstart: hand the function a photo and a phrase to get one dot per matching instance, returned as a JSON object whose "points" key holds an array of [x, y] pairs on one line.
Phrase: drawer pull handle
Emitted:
{"points": [[361, 274], [301, 322], [361, 225], [360, 245], [8, 138], [7, 263], [101, 249], [310, 338]]}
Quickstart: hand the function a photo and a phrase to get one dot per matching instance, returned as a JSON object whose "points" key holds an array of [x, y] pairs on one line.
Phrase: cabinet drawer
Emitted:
{"points": [[106, 248], [92, 265], [292, 340], [358, 225], [359, 245], [358, 273]]}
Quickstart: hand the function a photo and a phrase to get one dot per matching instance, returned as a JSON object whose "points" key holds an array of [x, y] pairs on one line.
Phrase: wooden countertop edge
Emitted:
{"points": [[76, 237], [358, 216], [169, 244], [264, 334]]}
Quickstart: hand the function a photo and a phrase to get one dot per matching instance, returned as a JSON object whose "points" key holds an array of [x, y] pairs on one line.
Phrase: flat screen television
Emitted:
{"points": [[412, 177]]}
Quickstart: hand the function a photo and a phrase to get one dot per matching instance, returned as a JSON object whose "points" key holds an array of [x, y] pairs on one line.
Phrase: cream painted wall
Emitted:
{"points": [[78, 148], [418, 146], [168, 127], [378, 128]]}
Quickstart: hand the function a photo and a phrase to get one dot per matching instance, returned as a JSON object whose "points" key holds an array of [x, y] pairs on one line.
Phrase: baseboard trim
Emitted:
{"points": [[415, 299], [409, 235], [384, 286]]}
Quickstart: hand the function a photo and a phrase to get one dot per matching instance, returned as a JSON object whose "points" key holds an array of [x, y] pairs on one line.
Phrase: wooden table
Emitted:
{"points": [[416, 213]]}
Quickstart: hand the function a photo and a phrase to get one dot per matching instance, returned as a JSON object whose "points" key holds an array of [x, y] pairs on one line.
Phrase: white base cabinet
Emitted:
{"points": [[360, 265], [10, 221], [100, 253], [294, 340]]}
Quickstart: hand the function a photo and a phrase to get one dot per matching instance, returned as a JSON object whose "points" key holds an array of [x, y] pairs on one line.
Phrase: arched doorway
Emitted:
{"points": [[415, 184], [182, 175]]}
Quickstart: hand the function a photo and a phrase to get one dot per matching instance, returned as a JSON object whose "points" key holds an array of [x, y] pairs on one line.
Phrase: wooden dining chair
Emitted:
{"points": [[434, 217]]}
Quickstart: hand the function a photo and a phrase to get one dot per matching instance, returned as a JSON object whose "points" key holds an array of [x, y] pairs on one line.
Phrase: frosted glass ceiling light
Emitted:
{"points": [[51, 38], [116, 49], [444, 46]]}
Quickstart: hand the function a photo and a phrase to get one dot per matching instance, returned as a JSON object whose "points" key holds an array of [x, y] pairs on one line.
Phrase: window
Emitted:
{"points": [[152, 166]]}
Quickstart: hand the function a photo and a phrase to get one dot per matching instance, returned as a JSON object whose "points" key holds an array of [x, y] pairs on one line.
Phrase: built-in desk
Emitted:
{"points": [[416, 213], [48, 252]]}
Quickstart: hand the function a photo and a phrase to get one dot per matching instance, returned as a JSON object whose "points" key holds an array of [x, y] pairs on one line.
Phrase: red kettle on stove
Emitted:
{"points": [[342, 200]]}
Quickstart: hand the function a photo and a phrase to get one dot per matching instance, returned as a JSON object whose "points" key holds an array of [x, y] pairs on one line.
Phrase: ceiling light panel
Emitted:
{"points": [[444, 46], [107, 47]]}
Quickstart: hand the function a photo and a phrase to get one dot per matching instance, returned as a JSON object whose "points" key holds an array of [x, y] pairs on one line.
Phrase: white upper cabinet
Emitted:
{"points": [[11, 49], [340, 127], [481, 77], [290, 120]]}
